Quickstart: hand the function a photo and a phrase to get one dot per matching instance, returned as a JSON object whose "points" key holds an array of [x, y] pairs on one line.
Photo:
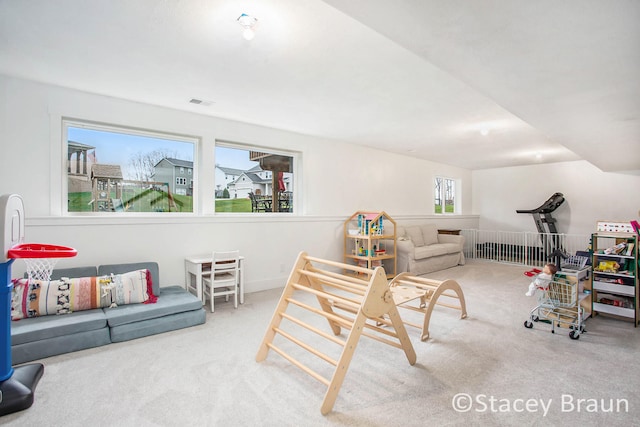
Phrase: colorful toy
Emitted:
{"points": [[616, 249], [532, 272], [608, 267]]}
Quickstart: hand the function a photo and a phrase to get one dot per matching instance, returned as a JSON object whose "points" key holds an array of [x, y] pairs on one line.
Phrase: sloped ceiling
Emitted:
{"points": [[547, 81]]}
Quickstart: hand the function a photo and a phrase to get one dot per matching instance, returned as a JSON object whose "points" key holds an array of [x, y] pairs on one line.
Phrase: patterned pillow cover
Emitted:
{"points": [[41, 298]]}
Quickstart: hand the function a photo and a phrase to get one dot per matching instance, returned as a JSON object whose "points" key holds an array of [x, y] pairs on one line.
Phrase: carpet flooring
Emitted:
{"points": [[487, 369]]}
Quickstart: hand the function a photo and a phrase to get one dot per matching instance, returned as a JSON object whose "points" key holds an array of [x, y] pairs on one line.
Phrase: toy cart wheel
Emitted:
{"points": [[528, 324], [535, 318], [574, 335]]}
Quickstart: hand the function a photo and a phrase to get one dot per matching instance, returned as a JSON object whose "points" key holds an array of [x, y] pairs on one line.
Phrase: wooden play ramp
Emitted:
{"points": [[426, 294], [356, 299]]}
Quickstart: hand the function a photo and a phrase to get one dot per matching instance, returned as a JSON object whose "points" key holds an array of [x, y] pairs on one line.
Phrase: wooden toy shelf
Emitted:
{"points": [[370, 241]]}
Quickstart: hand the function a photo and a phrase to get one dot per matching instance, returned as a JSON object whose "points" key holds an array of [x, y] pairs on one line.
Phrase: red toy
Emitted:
{"points": [[532, 272]]}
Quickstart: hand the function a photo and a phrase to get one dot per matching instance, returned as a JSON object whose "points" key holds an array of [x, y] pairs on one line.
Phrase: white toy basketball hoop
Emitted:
{"points": [[40, 259], [17, 384]]}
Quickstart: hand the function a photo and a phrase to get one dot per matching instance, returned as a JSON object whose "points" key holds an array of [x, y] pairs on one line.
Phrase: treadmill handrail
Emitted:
{"points": [[549, 206]]}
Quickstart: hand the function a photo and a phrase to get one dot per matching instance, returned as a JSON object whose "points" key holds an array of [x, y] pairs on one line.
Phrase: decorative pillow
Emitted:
{"points": [[41, 298], [415, 234], [19, 298], [128, 288], [429, 234]]}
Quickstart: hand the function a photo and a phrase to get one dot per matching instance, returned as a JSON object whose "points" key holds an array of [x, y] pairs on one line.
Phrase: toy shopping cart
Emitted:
{"points": [[558, 304]]}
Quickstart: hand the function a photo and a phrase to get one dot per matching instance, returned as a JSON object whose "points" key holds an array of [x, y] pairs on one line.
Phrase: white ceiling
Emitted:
{"points": [[551, 80]]}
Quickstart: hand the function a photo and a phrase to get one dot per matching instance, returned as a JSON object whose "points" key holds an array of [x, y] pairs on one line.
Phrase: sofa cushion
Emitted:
{"points": [[430, 251], [39, 328], [429, 234], [415, 234], [59, 273], [171, 300], [451, 248]]}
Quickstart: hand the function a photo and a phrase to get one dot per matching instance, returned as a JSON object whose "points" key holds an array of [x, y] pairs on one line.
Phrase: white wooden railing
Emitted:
{"points": [[526, 248]]}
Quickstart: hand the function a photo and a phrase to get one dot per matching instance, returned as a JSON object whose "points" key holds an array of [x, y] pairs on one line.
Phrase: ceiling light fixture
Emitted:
{"points": [[484, 132], [248, 23]]}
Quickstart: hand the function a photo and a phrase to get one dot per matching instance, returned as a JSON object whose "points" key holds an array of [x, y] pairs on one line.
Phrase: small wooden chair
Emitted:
{"points": [[224, 277]]}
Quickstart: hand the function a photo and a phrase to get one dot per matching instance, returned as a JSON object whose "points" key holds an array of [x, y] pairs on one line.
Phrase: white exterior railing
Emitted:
{"points": [[526, 248]]}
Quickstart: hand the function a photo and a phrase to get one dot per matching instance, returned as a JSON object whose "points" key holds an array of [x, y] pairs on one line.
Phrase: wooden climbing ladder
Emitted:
{"points": [[367, 298]]}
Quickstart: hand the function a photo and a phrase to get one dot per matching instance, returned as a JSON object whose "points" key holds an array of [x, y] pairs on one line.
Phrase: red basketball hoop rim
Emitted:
{"points": [[41, 250]]}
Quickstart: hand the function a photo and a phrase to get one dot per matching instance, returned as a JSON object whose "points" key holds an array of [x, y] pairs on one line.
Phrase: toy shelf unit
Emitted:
{"points": [[370, 241], [615, 274]]}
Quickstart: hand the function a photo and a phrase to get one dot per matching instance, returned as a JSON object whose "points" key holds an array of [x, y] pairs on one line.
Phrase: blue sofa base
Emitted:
{"points": [[157, 326], [40, 349]]}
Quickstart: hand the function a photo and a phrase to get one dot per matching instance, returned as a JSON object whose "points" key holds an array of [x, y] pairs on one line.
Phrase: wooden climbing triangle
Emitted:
{"points": [[348, 297]]}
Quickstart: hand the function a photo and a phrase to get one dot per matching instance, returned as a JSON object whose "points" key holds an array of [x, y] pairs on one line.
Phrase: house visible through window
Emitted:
{"points": [[444, 195], [113, 169], [253, 180]]}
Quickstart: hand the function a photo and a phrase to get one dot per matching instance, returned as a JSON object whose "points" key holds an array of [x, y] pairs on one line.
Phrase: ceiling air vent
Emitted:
{"points": [[201, 102]]}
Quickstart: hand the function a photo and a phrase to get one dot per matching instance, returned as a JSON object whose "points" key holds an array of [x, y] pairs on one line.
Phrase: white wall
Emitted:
{"points": [[590, 195], [337, 180]]}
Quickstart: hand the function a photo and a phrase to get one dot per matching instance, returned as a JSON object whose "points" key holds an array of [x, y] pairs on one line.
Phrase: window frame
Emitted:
{"points": [[456, 183], [68, 122], [296, 174]]}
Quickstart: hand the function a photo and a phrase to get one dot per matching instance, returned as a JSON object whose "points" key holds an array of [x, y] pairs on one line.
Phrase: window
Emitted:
{"points": [[114, 169], [254, 180], [444, 195]]}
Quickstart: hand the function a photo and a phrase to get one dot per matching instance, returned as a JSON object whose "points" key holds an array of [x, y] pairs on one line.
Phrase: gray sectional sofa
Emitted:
{"points": [[40, 337]]}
